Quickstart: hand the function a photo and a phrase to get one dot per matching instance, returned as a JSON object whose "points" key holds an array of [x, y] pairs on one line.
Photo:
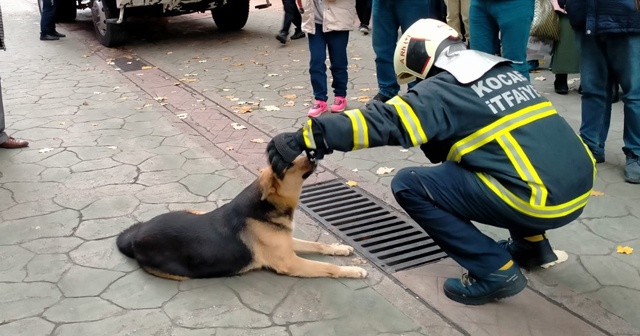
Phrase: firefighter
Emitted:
{"points": [[507, 158]]}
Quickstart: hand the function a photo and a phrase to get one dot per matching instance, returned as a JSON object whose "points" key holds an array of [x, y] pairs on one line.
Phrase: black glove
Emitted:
{"points": [[283, 149]]}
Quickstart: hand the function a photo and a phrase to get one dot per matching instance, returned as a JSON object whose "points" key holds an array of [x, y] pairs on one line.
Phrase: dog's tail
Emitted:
{"points": [[125, 240]]}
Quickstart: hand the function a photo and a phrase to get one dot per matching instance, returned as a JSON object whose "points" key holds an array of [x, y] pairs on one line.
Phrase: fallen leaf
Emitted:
{"points": [[147, 105], [45, 150], [266, 85], [62, 123], [97, 92], [384, 170], [225, 58], [596, 193], [177, 84], [85, 103], [298, 87], [112, 147], [228, 148], [273, 75], [290, 96], [271, 108], [351, 183], [258, 140], [195, 57], [169, 52], [540, 78], [85, 56], [182, 116], [356, 58], [139, 74], [354, 170], [147, 67], [160, 98], [296, 60], [365, 90], [94, 124], [238, 64], [624, 250], [188, 80], [190, 75], [238, 126], [363, 99], [404, 150], [226, 90], [289, 103], [203, 61], [572, 80], [358, 261], [245, 109]]}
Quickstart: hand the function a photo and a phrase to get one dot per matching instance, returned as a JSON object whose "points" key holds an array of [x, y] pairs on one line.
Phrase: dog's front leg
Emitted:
{"points": [[304, 246], [305, 268]]}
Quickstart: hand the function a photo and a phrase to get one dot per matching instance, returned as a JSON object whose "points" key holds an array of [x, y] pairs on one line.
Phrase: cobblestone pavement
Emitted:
{"points": [[111, 147]]}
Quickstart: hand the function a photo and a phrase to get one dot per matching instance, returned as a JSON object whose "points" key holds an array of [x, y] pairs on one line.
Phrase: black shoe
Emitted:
{"points": [[560, 85], [48, 38], [503, 283], [528, 254], [282, 37], [580, 89], [298, 35], [615, 95], [56, 34], [364, 29], [378, 97]]}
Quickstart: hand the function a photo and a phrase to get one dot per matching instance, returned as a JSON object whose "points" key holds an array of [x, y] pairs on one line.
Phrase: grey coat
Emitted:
{"points": [[2, 46]]}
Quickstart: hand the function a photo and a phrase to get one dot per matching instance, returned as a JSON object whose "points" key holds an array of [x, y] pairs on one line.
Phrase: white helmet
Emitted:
{"points": [[418, 47]]}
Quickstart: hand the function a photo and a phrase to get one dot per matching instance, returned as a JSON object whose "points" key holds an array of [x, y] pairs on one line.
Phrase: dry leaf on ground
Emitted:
{"points": [[363, 99], [228, 148], [540, 78], [182, 115], [365, 89], [160, 98], [297, 87], [290, 103], [356, 58], [266, 85], [271, 108], [188, 80], [596, 193], [273, 75], [112, 147], [572, 80], [147, 67], [290, 96], [258, 140], [45, 150], [238, 126], [358, 261], [238, 64], [354, 170], [624, 250], [203, 61], [404, 150], [384, 170], [351, 183], [245, 109]]}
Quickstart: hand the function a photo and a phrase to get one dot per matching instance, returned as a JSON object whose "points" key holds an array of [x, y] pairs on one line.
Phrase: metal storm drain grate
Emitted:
{"points": [[371, 227], [127, 64]]}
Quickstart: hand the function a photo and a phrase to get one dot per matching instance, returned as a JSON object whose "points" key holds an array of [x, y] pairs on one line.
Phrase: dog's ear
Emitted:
{"points": [[267, 183]]}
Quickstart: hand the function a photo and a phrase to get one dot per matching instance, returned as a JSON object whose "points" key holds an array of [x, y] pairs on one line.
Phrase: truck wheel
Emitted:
{"points": [[109, 34], [65, 10], [232, 16]]}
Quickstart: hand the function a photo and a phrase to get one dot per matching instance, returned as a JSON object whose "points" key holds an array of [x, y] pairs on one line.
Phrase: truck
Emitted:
{"points": [[110, 16]]}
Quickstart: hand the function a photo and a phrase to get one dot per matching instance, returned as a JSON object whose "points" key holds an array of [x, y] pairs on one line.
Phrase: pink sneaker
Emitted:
{"points": [[319, 107], [339, 104]]}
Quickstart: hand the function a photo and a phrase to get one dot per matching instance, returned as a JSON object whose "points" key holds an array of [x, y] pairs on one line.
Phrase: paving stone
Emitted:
{"points": [[30, 209], [27, 327], [52, 245], [102, 254], [20, 300], [102, 228], [22, 172], [202, 166], [203, 184], [167, 193], [93, 281], [162, 162], [250, 287], [604, 206], [114, 206], [210, 307], [272, 331], [31, 191], [6, 199], [94, 152], [77, 200], [144, 142], [94, 165], [615, 229], [575, 238], [47, 267], [620, 301], [612, 272], [135, 322], [228, 190], [57, 224], [139, 290], [623, 190], [571, 272], [12, 262], [194, 332], [81, 310], [133, 157], [122, 174], [62, 159], [33, 155], [161, 177]]}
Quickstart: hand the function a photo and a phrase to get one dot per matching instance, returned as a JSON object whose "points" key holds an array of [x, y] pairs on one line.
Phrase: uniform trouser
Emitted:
{"points": [[47, 17], [444, 199], [3, 135], [291, 15], [455, 10], [336, 42], [511, 19], [363, 9], [387, 17], [604, 59]]}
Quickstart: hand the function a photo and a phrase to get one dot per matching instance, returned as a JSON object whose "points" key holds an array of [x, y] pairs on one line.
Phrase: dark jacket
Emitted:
{"points": [[603, 16], [498, 126], [2, 46]]}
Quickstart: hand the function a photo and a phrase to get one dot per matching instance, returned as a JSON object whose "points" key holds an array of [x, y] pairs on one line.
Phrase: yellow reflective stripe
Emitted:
{"points": [[525, 169], [553, 211], [360, 129], [499, 127], [307, 135], [409, 120], [536, 238]]}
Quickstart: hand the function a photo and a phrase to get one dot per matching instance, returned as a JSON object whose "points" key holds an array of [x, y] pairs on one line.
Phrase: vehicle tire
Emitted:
{"points": [[66, 10], [232, 16], [109, 34]]}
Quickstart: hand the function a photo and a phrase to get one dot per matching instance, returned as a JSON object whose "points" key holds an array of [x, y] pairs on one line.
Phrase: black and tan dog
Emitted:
{"points": [[253, 231]]}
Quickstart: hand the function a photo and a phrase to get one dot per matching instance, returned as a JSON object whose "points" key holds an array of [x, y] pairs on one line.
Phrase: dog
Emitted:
{"points": [[253, 231]]}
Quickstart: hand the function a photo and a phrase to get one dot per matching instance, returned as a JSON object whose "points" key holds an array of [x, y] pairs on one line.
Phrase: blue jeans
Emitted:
{"points": [[47, 17], [444, 199], [387, 17], [336, 42], [512, 19], [601, 63]]}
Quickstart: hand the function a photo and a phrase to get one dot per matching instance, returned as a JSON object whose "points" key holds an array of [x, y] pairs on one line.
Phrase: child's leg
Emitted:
{"points": [[317, 66], [337, 43]]}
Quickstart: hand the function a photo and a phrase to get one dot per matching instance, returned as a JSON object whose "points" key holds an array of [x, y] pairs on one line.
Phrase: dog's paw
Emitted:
{"points": [[353, 272], [341, 250]]}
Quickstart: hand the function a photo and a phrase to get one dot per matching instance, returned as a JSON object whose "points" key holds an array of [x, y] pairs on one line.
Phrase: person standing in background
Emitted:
{"points": [[363, 8], [47, 22], [493, 23], [565, 57], [291, 15], [455, 10]]}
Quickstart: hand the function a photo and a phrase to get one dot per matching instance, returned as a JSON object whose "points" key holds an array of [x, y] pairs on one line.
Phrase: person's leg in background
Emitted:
{"points": [[291, 15], [514, 21], [363, 9], [464, 12], [596, 94], [384, 37], [337, 42], [483, 28], [297, 21], [623, 53], [410, 11], [47, 21], [453, 15], [318, 71], [565, 56], [5, 140]]}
